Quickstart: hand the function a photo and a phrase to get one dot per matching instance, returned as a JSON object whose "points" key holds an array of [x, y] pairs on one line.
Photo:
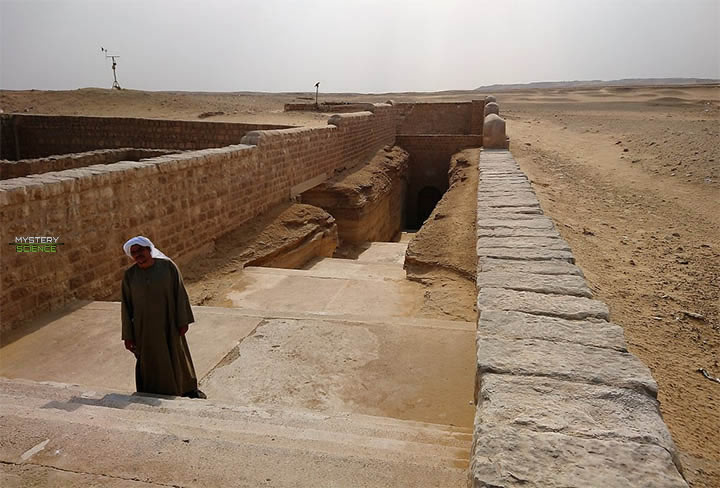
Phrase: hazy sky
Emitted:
{"points": [[363, 46]]}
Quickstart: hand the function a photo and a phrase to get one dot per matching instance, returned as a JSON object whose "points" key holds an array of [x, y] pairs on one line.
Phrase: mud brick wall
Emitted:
{"points": [[430, 161], [39, 136], [329, 107], [183, 202], [8, 149], [440, 118], [24, 167]]}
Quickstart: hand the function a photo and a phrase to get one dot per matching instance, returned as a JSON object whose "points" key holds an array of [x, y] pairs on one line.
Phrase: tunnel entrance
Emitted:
{"points": [[427, 198]]}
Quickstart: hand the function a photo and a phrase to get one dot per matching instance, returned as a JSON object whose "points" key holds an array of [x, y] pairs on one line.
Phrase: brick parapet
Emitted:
{"points": [[34, 136]]}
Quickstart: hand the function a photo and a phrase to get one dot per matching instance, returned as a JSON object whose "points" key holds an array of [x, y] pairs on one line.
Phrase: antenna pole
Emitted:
{"points": [[115, 85]]}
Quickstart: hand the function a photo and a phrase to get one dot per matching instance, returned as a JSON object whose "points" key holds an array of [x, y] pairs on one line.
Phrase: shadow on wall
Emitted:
{"points": [[427, 198]]}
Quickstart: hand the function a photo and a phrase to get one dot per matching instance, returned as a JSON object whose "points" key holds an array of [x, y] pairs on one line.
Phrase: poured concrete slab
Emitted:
{"points": [[84, 346], [414, 373]]}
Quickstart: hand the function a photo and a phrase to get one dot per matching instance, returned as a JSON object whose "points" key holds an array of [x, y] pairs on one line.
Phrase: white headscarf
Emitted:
{"points": [[144, 242]]}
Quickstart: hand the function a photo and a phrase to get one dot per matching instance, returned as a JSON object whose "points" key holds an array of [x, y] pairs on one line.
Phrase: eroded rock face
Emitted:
{"points": [[367, 202], [494, 132]]}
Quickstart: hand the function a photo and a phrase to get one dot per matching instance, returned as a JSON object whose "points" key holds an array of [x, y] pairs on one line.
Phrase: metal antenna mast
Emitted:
{"points": [[116, 85]]}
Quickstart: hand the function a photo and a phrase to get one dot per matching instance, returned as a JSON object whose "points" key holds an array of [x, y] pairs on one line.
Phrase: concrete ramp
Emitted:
{"points": [[84, 346]]}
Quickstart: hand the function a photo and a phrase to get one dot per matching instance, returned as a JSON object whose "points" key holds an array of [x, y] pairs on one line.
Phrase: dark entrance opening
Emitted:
{"points": [[427, 198]]}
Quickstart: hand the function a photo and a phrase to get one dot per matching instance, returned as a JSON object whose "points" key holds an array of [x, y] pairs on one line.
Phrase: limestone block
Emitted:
{"points": [[488, 197], [550, 267], [563, 361], [514, 232], [565, 307], [518, 325], [494, 132], [524, 242], [554, 285], [530, 223], [525, 200], [504, 212], [579, 409], [504, 185], [512, 458], [491, 108], [542, 254]]}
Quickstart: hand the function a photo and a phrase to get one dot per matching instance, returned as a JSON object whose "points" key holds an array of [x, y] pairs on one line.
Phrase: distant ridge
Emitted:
{"points": [[600, 83]]}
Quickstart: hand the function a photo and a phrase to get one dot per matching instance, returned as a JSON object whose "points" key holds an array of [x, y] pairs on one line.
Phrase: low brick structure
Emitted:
{"points": [[24, 167], [182, 201], [37, 136]]}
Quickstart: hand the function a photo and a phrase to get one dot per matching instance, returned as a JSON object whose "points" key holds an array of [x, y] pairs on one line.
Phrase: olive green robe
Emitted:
{"points": [[155, 306]]}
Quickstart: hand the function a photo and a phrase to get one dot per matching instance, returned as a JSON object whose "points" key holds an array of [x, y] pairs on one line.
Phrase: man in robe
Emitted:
{"points": [[156, 315]]}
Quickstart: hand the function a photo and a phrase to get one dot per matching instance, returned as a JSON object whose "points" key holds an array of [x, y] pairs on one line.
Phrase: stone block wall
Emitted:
{"points": [[36, 136], [440, 118], [24, 167], [560, 400], [181, 201]]}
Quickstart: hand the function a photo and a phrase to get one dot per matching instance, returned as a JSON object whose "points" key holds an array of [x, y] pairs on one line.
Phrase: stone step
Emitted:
{"points": [[337, 268], [384, 252], [200, 443]]}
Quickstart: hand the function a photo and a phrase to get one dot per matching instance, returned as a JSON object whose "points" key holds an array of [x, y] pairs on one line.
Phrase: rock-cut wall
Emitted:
{"points": [[367, 202], [560, 400]]}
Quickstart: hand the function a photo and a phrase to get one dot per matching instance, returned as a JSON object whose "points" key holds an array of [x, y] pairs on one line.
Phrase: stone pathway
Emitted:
{"points": [[560, 400]]}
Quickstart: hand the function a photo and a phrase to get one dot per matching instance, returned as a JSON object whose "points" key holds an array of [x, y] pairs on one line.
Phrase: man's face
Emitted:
{"points": [[141, 255]]}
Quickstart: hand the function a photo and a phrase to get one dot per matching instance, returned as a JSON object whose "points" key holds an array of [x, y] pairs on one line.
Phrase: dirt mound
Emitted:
{"points": [[442, 253], [287, 236]]}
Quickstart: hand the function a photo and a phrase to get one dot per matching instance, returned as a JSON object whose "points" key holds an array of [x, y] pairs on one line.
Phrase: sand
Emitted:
{"points": [[631, 176]]}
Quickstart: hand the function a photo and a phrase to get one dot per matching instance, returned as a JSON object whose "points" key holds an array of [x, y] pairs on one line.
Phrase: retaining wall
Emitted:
{"points": [[36, 136], [24, 167], [560, 400], [181, 201]]}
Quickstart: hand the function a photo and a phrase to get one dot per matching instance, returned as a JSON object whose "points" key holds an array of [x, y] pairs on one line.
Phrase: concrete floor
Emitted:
{"points": [[84, 347]]}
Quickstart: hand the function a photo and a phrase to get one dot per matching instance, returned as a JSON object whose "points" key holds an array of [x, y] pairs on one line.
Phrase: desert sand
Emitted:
{"points": [[631, 177]]}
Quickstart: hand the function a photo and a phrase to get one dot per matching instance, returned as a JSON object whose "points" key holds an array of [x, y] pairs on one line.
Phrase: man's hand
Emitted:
{"points": [[130, 346], [183, 330]]}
